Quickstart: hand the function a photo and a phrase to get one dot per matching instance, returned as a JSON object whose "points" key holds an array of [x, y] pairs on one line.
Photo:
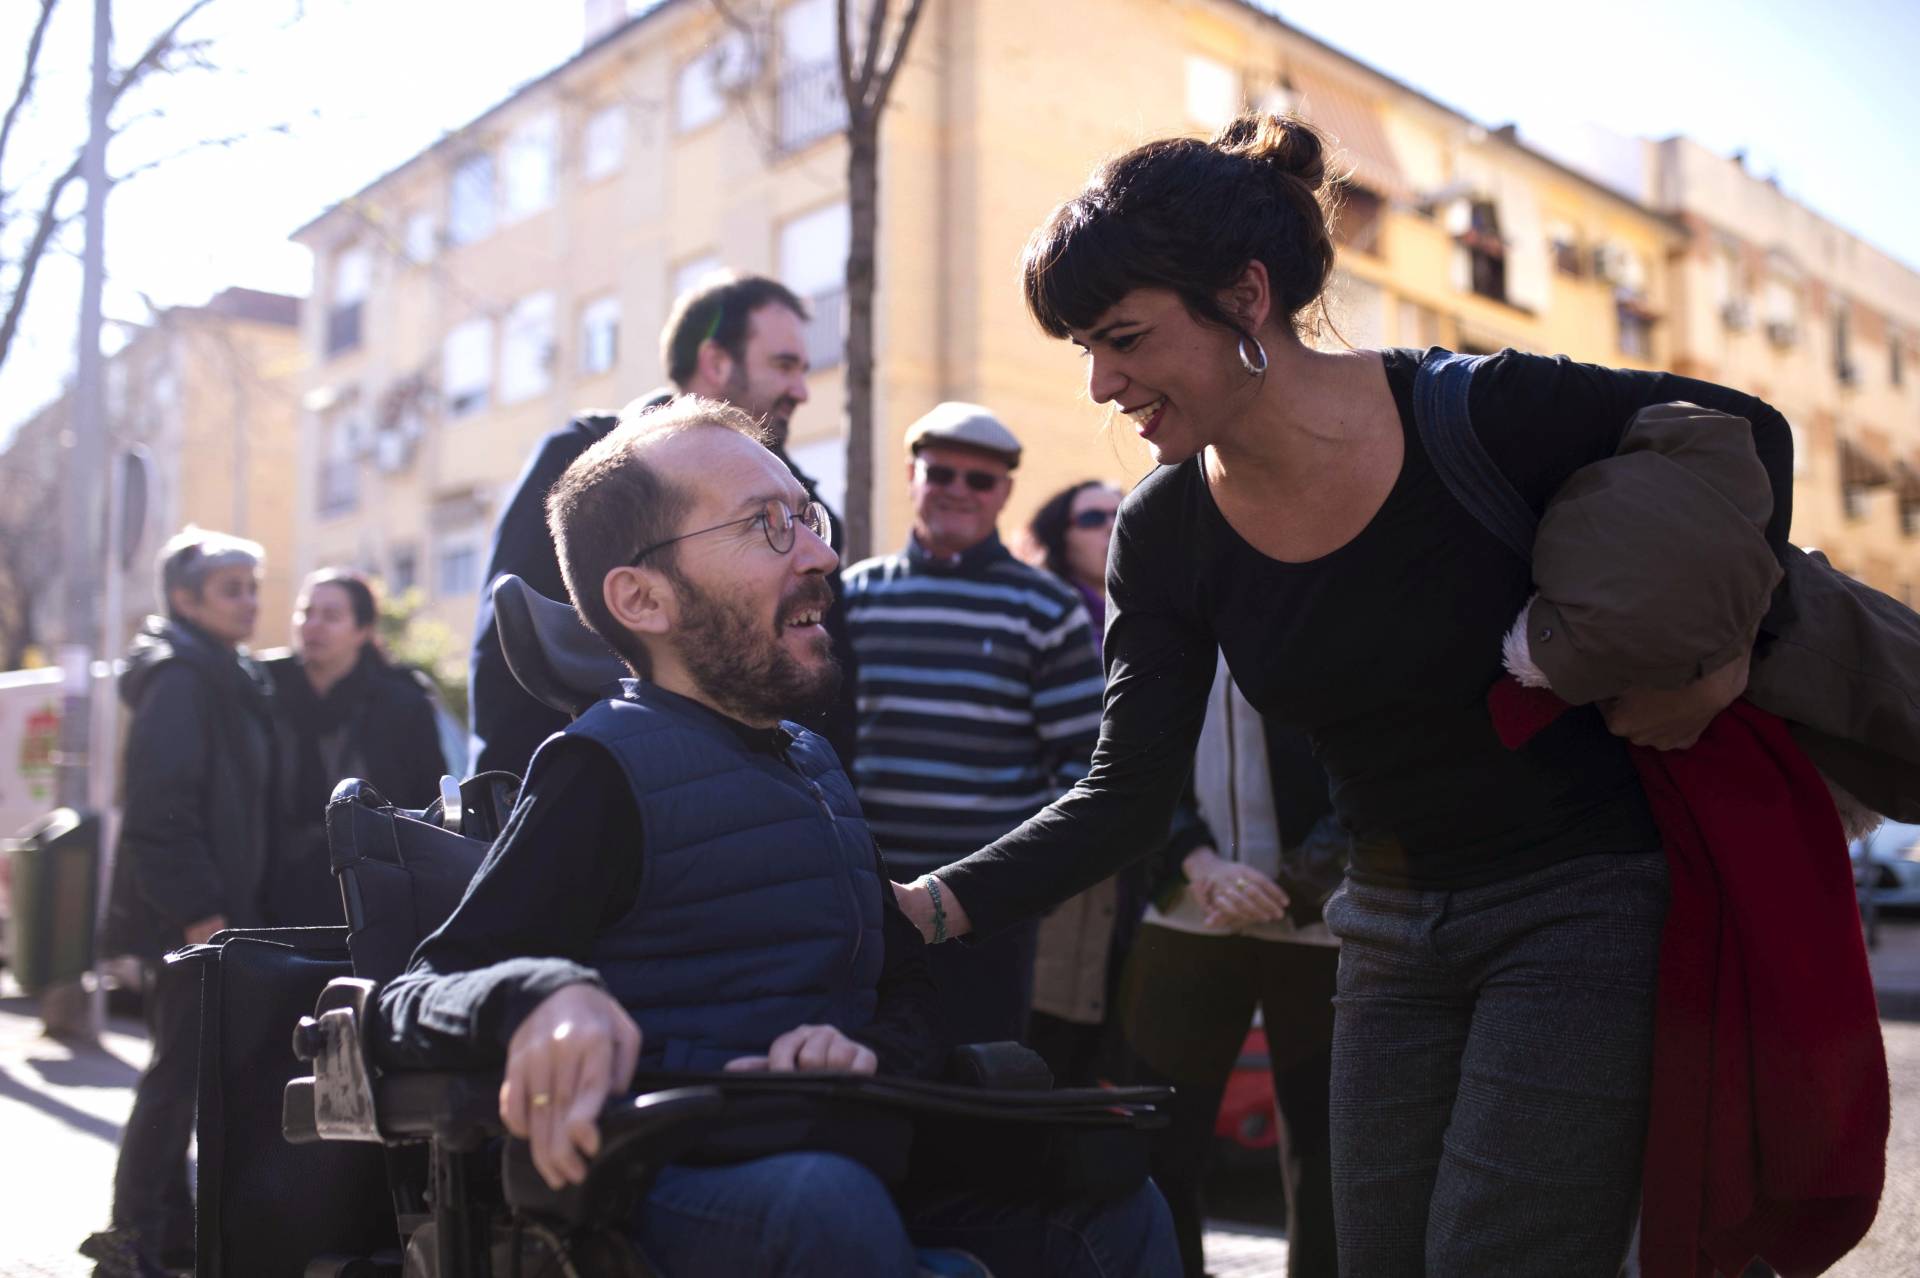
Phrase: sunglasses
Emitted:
{"points": [[981, 481], [1091, 519]]}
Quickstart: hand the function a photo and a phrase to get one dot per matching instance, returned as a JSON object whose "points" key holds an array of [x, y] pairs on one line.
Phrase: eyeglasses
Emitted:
{"points": [[1090, 519], [981, 481], [776, 519]]}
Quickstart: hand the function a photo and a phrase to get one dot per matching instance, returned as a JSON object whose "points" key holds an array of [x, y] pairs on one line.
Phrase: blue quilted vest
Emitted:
{"points": [[759, 906]]}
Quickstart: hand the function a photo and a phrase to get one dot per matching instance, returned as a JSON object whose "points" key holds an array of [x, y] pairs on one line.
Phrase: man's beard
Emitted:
{"points": [[776, 417], [741, 665]]}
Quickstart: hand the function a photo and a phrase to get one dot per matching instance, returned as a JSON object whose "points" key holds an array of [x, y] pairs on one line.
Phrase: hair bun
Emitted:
{"points": [[1285, 143]]}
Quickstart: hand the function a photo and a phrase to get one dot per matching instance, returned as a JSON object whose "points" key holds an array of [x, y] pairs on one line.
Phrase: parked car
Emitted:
{"points": [[1887, 866]]}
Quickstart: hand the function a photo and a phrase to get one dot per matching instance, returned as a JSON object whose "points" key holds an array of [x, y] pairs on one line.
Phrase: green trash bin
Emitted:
{"points": [[54, 894]]}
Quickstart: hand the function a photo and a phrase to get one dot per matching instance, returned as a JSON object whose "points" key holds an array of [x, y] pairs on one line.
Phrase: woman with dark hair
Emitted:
{"points": [[1501, 920], [340, 710]]}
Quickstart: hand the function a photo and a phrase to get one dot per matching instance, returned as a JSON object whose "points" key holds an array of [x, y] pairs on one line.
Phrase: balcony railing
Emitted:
{"points": [[827, 330], [811, 104]]}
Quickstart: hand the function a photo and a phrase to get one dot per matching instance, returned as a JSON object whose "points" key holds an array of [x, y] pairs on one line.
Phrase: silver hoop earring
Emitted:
{"points": [[1246, 361]]}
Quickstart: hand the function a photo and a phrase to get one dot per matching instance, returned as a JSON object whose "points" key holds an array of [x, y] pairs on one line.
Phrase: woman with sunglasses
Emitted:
{"points": [[1501, 921]]}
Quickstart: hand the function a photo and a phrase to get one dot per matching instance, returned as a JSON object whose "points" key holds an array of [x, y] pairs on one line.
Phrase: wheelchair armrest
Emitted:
{"points": [[638, 1136], [999, 1067], [340, 1097]]}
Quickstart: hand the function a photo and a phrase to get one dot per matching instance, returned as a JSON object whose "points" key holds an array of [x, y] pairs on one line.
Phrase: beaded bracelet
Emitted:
{"points": [[939, 908]]}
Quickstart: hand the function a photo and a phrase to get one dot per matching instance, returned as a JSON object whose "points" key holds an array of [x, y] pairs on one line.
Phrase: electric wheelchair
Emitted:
{"points": [[318, 1163]]}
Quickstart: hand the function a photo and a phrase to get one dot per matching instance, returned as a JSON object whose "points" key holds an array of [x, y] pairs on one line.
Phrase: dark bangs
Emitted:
{"points": [[1074, 268]]}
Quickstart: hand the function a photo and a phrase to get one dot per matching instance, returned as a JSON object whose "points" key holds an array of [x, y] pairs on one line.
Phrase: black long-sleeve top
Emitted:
{"points": [[566, 867], [1382, 651]]}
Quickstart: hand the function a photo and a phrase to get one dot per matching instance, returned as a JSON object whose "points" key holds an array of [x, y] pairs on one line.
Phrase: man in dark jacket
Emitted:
{"points": [[738, 339], [192, 859], [687, 883]]}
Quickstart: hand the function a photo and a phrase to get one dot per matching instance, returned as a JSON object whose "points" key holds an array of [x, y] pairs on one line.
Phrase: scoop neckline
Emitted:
{"points": [[1407, 435]]}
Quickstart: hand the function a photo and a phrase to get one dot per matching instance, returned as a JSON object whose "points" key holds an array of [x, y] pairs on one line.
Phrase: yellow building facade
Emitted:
{"points": [[519, 271], [212, 393]]}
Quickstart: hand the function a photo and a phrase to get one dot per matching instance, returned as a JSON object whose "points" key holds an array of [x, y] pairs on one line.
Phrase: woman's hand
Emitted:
{"points": [[1235, 896], [811, 1047], [916, 902], [1674, 718]]}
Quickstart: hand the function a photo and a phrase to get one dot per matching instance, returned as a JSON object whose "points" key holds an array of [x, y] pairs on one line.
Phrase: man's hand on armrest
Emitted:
{"points": [[812, 1047], [574, 1050]]}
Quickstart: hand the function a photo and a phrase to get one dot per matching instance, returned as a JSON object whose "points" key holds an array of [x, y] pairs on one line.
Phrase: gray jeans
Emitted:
{"points": [[1491, 1062]]}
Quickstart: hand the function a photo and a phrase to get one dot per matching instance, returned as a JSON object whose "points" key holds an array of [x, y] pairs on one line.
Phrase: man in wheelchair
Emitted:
{"points": [[687, 884]]}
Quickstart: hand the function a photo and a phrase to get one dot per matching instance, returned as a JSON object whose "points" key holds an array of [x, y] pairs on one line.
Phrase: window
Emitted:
{"points": [[599, 335], [813, 263], [470, 201], [526, 349], [697, 99], [466, 374], [689, 274], [1486, 251], [1213, 92], [1358, 224], [1896, 368], [1783, 312], [457, 570], [528, 161], [1844, 368], [422, 241], [603, 143], [340, 458], [812, 104], [352, 277], [405, 573], [1635, 329], [1563, 243]]}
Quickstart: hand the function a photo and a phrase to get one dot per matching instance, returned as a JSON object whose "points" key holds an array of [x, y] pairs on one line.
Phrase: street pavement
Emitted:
{"points": [[61, 1112]]}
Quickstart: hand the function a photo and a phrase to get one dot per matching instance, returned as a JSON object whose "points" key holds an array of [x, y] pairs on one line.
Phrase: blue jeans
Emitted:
{"points": [[804, 1215], [1492, 1052]]}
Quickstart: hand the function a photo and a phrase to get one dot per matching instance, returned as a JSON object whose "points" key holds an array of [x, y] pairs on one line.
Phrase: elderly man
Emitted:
{"points": [[687, 884], [978, 694], [740, 339], [192, 859]]}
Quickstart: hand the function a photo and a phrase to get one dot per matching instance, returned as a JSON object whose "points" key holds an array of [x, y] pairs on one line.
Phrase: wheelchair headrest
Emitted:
{"points": [[557, 659]]}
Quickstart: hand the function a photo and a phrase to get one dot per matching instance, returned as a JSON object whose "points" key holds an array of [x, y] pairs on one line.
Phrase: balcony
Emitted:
{"points": [[810, 104]]}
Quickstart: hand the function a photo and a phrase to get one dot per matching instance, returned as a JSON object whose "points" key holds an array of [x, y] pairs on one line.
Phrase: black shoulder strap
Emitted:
{"points": [[1446, 430]]}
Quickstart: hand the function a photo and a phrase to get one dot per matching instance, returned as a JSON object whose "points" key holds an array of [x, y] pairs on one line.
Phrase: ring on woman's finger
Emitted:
{"points": [[541, 1098]]}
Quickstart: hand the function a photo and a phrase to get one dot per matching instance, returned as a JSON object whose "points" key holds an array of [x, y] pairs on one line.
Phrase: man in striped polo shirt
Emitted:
{"points": [[978, 694]]}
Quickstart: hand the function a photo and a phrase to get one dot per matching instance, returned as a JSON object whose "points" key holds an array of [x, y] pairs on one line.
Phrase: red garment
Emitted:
{"points": [[1767, 1131]]}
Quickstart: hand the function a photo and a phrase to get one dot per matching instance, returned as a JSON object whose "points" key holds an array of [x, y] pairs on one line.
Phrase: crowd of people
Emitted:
{"points": [[1218, 749]]}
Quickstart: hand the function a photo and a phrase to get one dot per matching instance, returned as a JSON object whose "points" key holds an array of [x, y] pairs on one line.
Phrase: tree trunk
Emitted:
{"points": [[863, 189]]}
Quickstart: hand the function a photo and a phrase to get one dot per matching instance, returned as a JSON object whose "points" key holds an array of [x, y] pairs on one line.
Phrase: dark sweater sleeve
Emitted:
{"points": [[903, 1032], [1543, 418], [565, 866], [1160, 663]]}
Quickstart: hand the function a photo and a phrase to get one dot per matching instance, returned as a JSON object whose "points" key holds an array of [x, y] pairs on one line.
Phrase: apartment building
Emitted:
{"points": [[520, 270], [212, 394], [1771, 297]]}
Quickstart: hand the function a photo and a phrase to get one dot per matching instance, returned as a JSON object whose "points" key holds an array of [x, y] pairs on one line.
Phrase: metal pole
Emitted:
{"points": [[80, 548]]}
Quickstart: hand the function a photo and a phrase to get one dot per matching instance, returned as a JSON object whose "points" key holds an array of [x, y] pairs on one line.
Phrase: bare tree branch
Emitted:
{"points": [[870, 56], [841, 19], [153, 58], [27, 74], [232, 139], [30, 259], [899, 54]]}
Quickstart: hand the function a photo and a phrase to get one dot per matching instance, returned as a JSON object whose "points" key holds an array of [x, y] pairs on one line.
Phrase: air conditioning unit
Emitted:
{"points": [[1782, 332], [1737, 314], [393, 450], [734, 62]]}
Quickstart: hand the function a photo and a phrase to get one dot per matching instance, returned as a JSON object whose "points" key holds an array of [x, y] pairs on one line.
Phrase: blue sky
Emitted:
{"points": [[1825, 95]]}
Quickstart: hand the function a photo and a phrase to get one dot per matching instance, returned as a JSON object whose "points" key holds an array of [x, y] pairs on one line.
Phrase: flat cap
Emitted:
{"points": [[964, 426]]}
